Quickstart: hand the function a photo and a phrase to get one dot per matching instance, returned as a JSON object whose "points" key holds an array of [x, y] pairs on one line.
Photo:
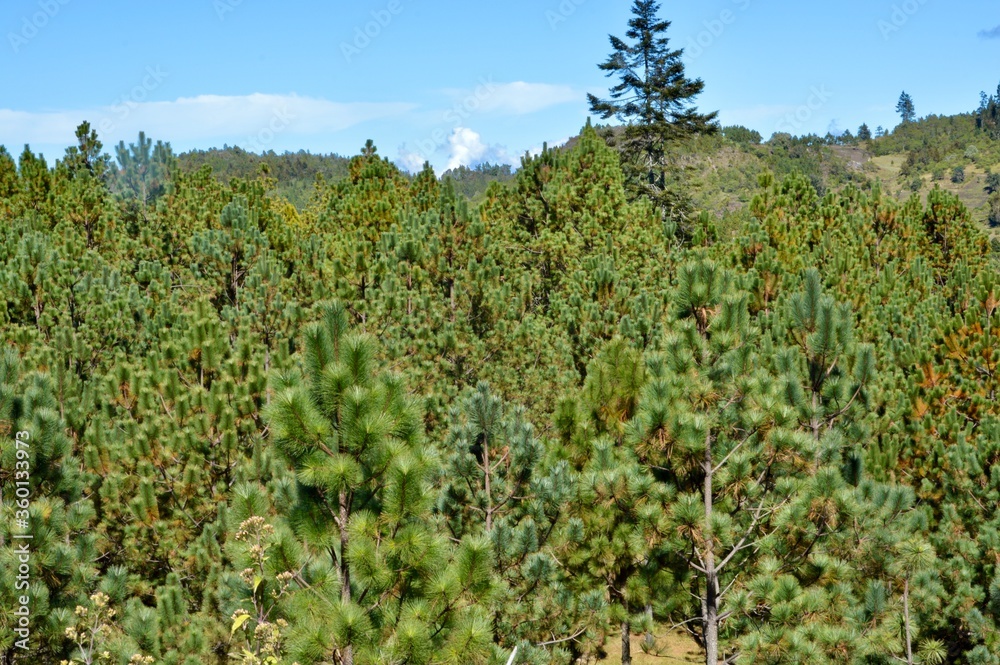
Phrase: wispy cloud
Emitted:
{"points": [[205, 118], [520, 98], [446, 138], [536, 150], [990, 34], [409, 160], [515, 98]]}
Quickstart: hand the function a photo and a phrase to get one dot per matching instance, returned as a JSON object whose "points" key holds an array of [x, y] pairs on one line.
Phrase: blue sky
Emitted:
{"points": [[461, 82]]}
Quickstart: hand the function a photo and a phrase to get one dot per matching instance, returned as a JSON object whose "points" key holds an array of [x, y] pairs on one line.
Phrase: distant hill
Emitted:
{"points": [[473, 182], [295, 172], [723, 169], [950, 152]]}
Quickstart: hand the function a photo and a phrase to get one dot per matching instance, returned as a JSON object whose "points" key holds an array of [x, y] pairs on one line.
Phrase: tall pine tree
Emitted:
{"points": [[354, 438], [654, 98]]}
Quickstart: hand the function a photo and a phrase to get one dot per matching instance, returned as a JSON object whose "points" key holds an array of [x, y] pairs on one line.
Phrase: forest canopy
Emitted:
{"points": [[668, 389]]}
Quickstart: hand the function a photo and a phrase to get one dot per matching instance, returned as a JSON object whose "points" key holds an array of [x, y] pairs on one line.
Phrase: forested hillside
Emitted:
{"points": [[722, 170], [512, 410], [947, 152], [294, 174], [669, 392]]}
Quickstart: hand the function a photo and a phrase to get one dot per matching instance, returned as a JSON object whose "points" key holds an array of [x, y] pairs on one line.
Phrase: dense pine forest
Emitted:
{"points": [[702, 398]]}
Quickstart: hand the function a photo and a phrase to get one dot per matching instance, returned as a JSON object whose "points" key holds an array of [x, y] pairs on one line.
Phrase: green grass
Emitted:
{"points": [[972, 192]]}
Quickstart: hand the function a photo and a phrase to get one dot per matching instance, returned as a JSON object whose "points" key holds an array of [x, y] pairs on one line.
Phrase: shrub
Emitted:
{"points": [[740, 134], [993, 182], [958, 175]]}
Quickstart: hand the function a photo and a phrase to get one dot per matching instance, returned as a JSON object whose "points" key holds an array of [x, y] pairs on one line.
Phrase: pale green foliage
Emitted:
{"points": [[501, 435], [353, 437]]}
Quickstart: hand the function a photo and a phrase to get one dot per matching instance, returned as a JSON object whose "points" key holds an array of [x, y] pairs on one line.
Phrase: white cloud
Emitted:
{"points": [[239, 120], [536, 150], [410, 161], [466, 148], [516, 98], [520, 98]]}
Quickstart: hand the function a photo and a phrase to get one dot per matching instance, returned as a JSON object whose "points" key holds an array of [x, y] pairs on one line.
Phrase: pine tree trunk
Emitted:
{"points": [[710, 606], [815, 418], [906, 615], [234, 283], [711, 624], [489, 491], [345, 571], [451, 297], [626, 643]]}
